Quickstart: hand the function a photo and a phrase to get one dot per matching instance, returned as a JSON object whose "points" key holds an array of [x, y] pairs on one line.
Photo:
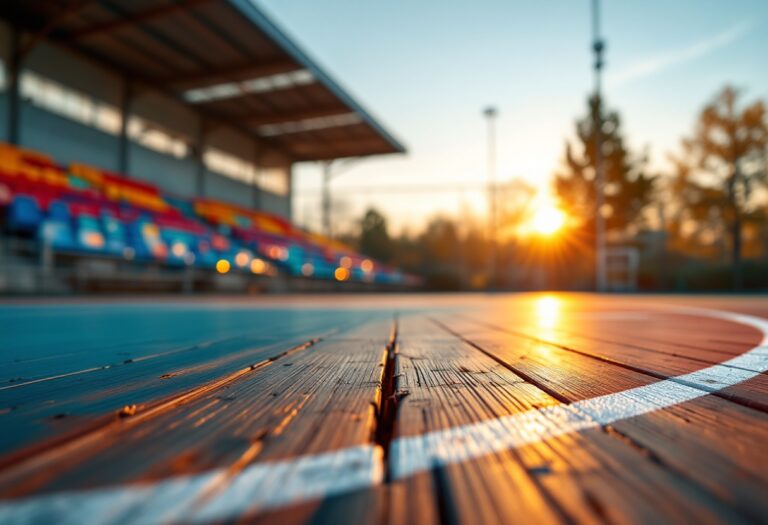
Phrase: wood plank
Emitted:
{"points": [[697, 439], [309, 402], [588, 476], [443, 384], [49, 410], [654, 362], [81, 337], [142, 373]]}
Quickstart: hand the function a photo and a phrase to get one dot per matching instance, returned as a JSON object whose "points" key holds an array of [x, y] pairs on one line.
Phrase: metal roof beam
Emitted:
{"points": [[318, 155], [134, 19], [247, 71], [67, 10], [262, 119], [341, 148]]}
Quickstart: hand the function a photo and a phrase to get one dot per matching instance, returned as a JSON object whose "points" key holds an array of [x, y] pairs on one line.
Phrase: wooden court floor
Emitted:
{"points": [[519, 408]]}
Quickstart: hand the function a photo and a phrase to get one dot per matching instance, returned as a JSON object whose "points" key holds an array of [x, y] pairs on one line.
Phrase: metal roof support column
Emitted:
{"points": [[490, 114], [290, 190], [14, 100], [123, 144], [326, 203], [198, 152], [19, 52], [256, 182], [328, 174], [598, 46]]}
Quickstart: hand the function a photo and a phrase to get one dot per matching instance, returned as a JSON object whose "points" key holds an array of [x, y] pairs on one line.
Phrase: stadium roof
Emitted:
{"points": [[224, 58]]}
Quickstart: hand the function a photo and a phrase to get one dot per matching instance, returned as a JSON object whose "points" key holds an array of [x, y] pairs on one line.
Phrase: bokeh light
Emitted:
{"points": [[258, 266], [222, 266], [341, 274]]}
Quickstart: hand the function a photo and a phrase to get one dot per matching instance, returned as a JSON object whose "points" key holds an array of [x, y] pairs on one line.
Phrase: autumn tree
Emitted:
{"points": [[374, 237], [440, 241], [721, 166], [514, 202], [627, 185]]}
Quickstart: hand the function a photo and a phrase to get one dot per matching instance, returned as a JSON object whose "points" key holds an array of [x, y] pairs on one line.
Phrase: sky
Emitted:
{"points": [[426, 69]]}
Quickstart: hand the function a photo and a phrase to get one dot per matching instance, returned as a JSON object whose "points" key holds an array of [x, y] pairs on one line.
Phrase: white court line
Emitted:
{"points": [[271, 485]]}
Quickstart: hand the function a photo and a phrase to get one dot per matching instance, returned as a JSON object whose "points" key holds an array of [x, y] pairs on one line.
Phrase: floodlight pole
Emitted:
{"points": [[326, 204], [14, 98], [490, 115], [329, 174], [123, 144], [598, 46]]}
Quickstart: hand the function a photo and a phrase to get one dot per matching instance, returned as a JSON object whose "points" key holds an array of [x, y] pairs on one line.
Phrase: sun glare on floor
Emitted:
{"points": [[547, 311]]}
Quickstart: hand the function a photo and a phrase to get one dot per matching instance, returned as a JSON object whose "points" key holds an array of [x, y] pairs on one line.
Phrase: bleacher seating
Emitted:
{"points": [[85, 211]]}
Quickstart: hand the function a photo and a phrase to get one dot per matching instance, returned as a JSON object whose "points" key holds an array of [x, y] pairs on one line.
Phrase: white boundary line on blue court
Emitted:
{"points": [[271, 485]]}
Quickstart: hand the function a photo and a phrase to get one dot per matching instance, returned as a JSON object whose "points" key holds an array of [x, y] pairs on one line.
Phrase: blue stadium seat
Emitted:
{"points": [[24, 214], [180, 246], [57, 234], [205, 255], [89, 235], [186, 207], [323, 270], [135, 244], [59, 211], [147, 242], [114, 235]]}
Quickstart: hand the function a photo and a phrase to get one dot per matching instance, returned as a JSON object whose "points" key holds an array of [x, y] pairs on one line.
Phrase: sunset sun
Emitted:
{"points": [[547, 220]]}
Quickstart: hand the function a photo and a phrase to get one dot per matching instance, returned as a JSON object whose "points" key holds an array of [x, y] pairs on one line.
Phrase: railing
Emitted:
{"points": [[28, 267]]}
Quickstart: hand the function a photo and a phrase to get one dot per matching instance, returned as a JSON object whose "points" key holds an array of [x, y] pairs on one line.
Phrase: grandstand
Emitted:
{"points": [[150, 144]]}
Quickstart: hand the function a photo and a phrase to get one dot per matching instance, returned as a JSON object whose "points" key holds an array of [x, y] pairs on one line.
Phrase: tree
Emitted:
{"points": [[628, 188], [721, 166], [514, 201], [441, 254], [374, 237], [440, 242]]}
